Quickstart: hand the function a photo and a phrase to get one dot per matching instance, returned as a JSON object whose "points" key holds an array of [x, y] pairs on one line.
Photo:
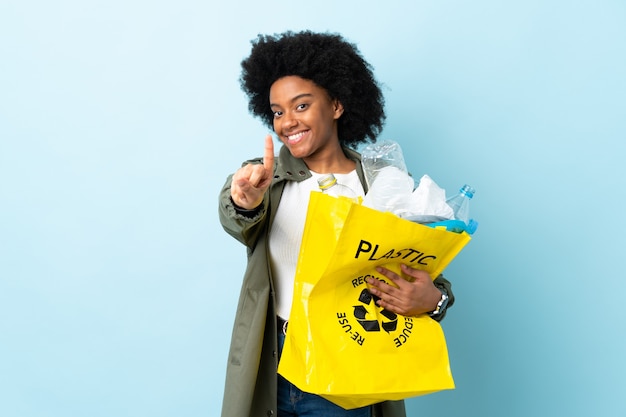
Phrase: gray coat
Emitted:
{"points": [[251, 379]]}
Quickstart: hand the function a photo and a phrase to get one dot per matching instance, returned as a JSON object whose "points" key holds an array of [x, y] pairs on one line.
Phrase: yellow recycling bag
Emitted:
{"points": [[340, 344]]}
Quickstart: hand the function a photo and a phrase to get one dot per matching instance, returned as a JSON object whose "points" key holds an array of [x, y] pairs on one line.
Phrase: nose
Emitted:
{"points": [[288, 121]]}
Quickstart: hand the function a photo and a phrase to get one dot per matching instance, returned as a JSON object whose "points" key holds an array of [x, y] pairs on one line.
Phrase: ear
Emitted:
{"points": [[338, 109]]}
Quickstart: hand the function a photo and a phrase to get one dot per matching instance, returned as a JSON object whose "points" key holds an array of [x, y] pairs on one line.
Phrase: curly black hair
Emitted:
{"points": [[330, 62]]}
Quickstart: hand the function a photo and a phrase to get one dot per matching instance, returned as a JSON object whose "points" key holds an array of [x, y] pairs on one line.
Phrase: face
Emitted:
{"points": [[305, 117]]}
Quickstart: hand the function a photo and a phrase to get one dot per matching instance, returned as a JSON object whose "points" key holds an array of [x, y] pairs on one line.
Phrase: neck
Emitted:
{"points": [[336, 162]]}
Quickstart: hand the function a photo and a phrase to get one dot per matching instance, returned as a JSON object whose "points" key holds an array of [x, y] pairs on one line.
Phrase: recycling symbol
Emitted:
{"points": [[361, 312]]}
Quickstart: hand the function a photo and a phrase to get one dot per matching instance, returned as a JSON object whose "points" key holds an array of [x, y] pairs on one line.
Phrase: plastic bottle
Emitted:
{"points": [[460, 203], [329, 185], [379, 156]]}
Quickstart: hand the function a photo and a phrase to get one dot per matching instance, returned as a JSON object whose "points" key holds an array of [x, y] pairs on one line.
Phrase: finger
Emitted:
{"points": [[380, 285], [258, 175], [243, 191], [385, 299], [415, 273], [392, 304], [383, 290], [268, 156], [387, 272], [394, 277]]}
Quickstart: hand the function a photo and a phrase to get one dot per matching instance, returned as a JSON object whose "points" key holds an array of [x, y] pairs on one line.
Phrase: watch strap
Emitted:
{"points": [[441, 305]]}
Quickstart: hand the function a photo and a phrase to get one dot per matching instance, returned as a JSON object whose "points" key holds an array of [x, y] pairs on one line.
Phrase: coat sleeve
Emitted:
{"points": [[445, 285], [389, 409]]}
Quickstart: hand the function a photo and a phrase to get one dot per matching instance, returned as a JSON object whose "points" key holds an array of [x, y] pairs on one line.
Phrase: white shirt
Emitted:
{"points": [[286, 233]]}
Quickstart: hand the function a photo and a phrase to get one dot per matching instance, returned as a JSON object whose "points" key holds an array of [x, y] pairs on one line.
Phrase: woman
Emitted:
{"points": [[321, 99]]}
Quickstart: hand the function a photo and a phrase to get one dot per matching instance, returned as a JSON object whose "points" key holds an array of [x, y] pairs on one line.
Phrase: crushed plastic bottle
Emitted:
{"points": [[378, 156]]}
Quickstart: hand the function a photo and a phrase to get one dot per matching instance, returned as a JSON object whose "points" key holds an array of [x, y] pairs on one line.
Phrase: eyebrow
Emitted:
{"points": [[296, 98]]}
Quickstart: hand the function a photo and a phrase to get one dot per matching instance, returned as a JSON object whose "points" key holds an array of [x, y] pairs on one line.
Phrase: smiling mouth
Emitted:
{"points": [[295, 138]]}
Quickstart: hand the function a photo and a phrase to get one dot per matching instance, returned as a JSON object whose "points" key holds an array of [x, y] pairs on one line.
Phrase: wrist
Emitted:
{"points": [[245, 211], [441, 304]]}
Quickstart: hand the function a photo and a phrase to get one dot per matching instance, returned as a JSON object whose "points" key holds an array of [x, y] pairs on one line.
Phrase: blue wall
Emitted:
{"points": [[119, 121]]}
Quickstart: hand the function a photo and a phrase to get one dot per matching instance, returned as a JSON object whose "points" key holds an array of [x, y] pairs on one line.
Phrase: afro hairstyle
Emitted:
{"points": [[328, 60]]}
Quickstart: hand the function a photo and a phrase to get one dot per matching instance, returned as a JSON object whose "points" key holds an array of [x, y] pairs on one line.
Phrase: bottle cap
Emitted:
{"points": [[468, 191], [326, 181]]}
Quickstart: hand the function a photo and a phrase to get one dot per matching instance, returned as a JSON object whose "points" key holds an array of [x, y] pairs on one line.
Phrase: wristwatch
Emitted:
{"points": [[441, 305]]}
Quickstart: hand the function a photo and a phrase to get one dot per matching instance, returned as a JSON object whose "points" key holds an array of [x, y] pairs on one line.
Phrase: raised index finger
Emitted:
{"points": [[268, 156]]}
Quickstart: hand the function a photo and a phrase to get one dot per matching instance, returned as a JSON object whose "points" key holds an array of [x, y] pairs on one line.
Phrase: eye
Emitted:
{"points": [[302, 106], [277, 114]]}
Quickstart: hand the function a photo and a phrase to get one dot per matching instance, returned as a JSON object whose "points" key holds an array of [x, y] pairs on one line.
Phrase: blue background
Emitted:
{"points": [[119, 121]]}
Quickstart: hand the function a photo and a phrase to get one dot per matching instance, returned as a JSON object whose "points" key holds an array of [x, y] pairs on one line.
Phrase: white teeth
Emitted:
{"points": [[296, 136]]}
